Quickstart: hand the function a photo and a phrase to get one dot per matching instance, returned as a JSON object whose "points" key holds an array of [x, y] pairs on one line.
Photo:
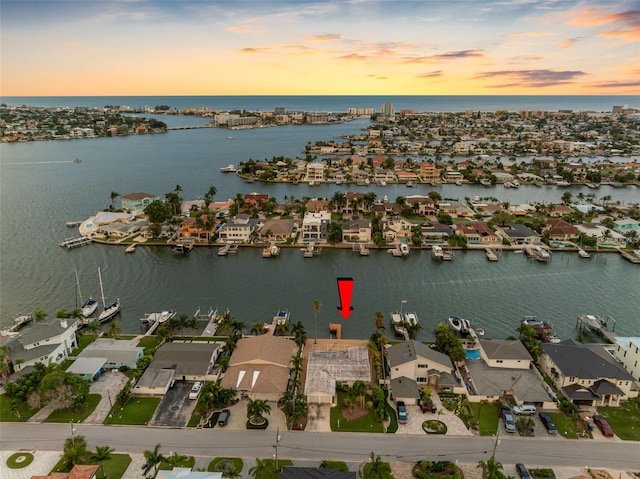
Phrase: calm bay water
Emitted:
{"points": [[41, 189]]}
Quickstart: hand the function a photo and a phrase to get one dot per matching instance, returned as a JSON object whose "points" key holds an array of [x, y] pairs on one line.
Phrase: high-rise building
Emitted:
{"points": [[387, 109]]}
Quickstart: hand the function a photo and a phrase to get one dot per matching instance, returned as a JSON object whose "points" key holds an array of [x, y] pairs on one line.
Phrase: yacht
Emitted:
{"points": [[228, 169], [110, 311], [270, 251], [437, 251], [411, 319]]}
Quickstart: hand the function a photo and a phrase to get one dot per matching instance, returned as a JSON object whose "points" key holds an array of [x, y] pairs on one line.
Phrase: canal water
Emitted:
{"points": [[42, 188]]}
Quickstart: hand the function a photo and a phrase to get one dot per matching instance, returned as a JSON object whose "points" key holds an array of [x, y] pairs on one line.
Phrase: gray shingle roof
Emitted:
{"points": [[408, 351], [504, 349], [584, 361]]}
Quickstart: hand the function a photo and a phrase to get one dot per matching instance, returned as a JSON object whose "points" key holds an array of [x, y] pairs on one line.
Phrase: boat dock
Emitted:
{"points": [[492, 255], [630, 256], [361, 249], [71, 243], [18, 322], [131, 248], [311, 250], [602, 327], [335, 328], [73, 224], [153, 320], [212, 318], [537, 252]]}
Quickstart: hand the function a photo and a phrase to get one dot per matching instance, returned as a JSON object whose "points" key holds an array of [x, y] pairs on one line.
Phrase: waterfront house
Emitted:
{"points": [[519, 234], [46, 342], [477, 233], [626, 225], [318, 205], [256, 200], [560, 230], [239, 229], [429, 172], [137, 201], [604, 236], [326, 367], [395, 228], [586, 373], [314, 227], [259, 367], [435, 234], [627, 351], [423, 205], [357, 231], [277, 230], [387, 209], [196, 229], [314, 172], [406, 176], [117, 353], [455, 209], [558, 210]]}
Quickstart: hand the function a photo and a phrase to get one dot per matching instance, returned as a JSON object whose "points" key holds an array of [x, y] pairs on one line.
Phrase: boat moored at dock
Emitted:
{"points": [[460, 325], [271, 251], [110, 311], [182, 247]]}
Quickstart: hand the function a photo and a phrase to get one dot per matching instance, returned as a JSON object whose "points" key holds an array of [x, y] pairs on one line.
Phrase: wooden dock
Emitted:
{"points": [[335, 328], [71, 243], [629, 256], [604, 328]]}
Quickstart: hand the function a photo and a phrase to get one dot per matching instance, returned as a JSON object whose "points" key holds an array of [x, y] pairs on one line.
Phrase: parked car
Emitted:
{"points": [[402, 412], [548, 423], [524, 410], [427, 406], [509, 422], [522, 471], [195, 390], [223, 418], [603, 425]]}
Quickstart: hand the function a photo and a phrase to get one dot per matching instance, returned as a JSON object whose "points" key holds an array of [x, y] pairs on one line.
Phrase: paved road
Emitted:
{"points": [[350, 447]]}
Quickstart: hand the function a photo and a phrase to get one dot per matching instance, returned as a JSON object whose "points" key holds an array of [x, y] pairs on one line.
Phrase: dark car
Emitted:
{"points": [[548, 423], [603, 425], [223, 418], [402, 412], [522, 471]]}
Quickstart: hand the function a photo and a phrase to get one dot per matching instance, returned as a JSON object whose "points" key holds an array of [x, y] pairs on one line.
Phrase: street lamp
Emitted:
{"points": [[73, 431]]}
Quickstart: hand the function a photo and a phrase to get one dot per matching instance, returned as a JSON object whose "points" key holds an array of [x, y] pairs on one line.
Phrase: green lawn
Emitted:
{"points": [[624, 420], [68, 415], [566, 425], [149, 343], [340, 465], [225, 465], [366, 423], [137, 412], [21, 413], [487, 417], [84, 340], [189, 461]]}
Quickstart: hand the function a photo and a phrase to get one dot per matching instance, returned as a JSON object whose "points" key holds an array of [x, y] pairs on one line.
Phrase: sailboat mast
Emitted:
{"points": [[78, 292], [104, 304]]}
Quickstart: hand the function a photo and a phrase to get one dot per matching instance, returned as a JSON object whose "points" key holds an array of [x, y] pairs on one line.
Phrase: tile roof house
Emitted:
{"points": [[137, 201], [587, 374], [560, 230], [278, 230], [477, 233], [259, 367], [357, 231], [77, 472], [520, 234], [505, 354]]}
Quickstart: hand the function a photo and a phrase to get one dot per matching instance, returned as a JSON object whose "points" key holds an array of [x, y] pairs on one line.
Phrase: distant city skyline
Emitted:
{"points": [[301, 47]]}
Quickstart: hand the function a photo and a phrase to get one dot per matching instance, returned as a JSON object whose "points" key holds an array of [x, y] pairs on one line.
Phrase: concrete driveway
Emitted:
{"points": [[108, 386], [455, 426], [176, 408], [238, 417]]}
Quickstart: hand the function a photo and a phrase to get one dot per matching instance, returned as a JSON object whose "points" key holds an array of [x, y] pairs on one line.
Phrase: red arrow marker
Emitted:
{"points": [[345, 289]]}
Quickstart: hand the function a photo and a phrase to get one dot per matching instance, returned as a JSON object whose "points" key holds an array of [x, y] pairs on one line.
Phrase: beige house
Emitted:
{"points": [[586, 373], [413, 365], [358, 231], [508, 354], [627, 351], [396, 228], [259, 367]]}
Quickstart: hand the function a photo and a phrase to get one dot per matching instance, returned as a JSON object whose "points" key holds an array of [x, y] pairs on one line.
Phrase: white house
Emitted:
{"points": [[627, 351]]}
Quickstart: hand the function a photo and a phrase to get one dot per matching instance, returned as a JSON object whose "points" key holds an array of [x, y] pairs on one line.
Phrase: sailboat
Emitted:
{"points": [[90, 305], [110, 311]]}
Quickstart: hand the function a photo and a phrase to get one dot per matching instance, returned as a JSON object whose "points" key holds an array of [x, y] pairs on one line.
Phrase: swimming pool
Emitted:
{"points": [[473, 354]]}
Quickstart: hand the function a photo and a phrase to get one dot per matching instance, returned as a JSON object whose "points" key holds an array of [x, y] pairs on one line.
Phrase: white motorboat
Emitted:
{"points": [[437, 251], [404, 249], [459, 324], [282, 317], [270, 251], [411, 319], [229, 169]]}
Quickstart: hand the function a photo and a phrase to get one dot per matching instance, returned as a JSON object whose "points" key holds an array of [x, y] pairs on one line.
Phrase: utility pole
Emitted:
{"points": [[276, 446], [73, 432]]}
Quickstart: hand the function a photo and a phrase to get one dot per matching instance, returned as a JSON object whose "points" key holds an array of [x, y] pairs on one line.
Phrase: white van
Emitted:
{"points": [[524, 410]]}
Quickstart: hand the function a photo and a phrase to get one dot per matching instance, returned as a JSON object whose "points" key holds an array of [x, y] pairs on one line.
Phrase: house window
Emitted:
{"points": [[423, 366], [422, 380], [499, 361]]}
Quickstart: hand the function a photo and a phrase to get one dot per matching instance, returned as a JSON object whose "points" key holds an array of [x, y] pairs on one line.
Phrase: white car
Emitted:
{"points": [[524, 410], [195, 390]]}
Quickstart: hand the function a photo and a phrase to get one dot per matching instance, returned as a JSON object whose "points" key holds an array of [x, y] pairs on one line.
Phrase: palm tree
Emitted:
{"points": [[491, 469], [114, 195], [378, 469], [256, 409], [225, 325], [257, 328], [93, 327], [175, 459], [378, 319], [263, 469], [183, 322], [154, 458], [75, 450], [282, 329], [114, 329], [299, 334], [317, 305], [359, 389], [102, 453], [39, 315], [5, 362]]}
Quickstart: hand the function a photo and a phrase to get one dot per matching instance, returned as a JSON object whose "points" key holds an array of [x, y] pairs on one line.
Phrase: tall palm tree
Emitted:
{"points": [[39, 315], [5, 362], [183, 322], [75, 450], [378, 319], [257, 328], [378, 469], [102, 453], [153, 460], [256, 409], [282, 329], [317, 305], [114, 329], [491, 469], [114, 195]]}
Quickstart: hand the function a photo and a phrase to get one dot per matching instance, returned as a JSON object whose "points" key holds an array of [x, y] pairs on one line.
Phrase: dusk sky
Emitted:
{"points": [[298, 47]]}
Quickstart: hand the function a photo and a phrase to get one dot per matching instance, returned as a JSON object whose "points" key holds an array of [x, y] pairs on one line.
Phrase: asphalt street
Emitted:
{"points": [[350, 447]]}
